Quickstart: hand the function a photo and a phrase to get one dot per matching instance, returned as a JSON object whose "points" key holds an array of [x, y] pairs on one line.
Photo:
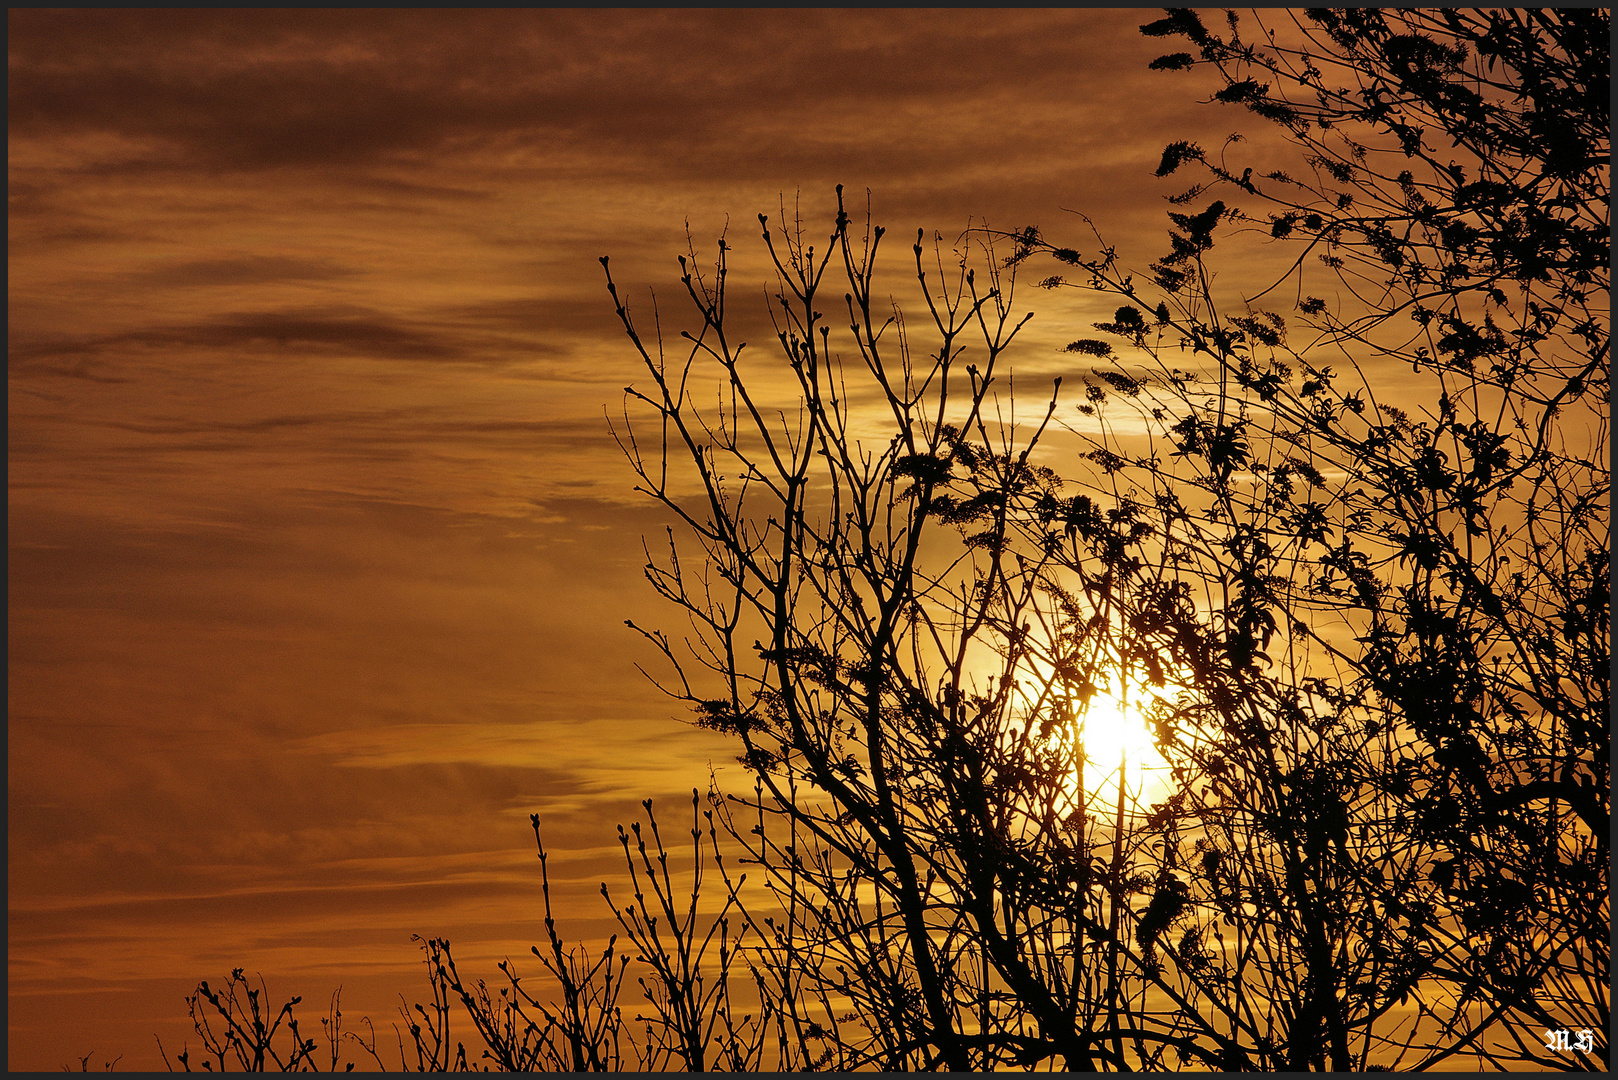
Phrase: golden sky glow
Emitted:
{"points": [[319, 548]]}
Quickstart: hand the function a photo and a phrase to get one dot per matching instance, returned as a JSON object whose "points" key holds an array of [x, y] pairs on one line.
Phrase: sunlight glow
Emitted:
{"points": [[1113, 729]]}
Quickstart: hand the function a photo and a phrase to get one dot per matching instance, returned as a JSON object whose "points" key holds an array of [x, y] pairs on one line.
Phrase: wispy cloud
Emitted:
{"points": [[245, 269], [692, 90], [358, 333]]}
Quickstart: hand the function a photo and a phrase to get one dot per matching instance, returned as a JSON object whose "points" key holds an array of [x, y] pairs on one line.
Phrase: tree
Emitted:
{"points": [[860, 684], [1373, 636], [1416, 606]]}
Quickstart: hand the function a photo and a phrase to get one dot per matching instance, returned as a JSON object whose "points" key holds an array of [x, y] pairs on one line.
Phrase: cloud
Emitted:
{"points": [[695, 92], [589, 315], [248, 269], [349, 332], [528, 345], [595, 751]]}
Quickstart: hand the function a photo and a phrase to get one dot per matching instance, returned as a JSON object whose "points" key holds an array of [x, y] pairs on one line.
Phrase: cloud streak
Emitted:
{"points": [[272, 90]]}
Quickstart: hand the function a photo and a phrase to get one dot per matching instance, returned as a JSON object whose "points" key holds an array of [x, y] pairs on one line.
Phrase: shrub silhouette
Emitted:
{"points": [[1416, 589]]}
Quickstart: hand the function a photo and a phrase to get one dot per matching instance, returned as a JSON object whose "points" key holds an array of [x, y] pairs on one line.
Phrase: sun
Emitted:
{"points": [[1112, 732]]}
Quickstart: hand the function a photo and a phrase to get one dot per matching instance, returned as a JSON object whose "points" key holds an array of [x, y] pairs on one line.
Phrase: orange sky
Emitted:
{"points": [[319, 548]]}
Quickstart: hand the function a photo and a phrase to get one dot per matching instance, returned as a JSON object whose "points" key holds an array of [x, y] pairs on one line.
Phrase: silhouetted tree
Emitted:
{"points": [[1379, 628], [864, 609], [1378, 569]]}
